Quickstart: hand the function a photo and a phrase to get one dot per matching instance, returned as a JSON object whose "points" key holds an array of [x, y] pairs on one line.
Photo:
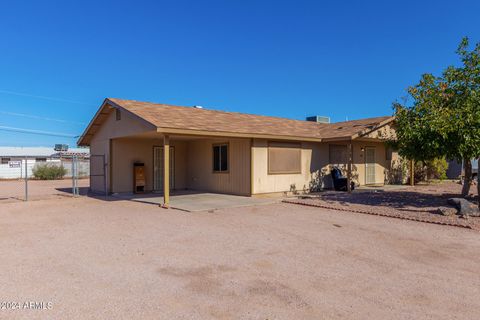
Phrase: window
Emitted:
{"points": [[284, 158], [118, 115], [220, 158], [5, 160], [41, 159], [338, 154]]}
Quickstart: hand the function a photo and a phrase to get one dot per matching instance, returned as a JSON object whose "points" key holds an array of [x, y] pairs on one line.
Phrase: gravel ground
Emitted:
{"points": [[96, 259], [419, 203], [14, 190]]}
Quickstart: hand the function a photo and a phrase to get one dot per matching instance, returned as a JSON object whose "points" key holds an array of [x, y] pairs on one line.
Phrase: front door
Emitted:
{"points": [[369, 165], [158, 168]]}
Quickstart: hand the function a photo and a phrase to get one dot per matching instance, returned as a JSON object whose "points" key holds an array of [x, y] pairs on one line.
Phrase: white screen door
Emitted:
{"points": [[369, 165], [158, 168]]}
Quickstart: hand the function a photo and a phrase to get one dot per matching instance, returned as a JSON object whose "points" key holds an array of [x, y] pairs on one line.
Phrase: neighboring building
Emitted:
{"points": [[228, 152], [12, 159], [455, 169]]}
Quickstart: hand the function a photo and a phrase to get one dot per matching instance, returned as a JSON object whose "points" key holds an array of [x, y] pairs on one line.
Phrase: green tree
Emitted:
{"points": [[444, 118]]}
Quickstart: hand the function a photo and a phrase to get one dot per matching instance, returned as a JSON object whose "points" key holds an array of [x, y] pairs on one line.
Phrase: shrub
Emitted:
{"points": [[48, 171], [437, 169], [398, 172], [431, 169], [317, 181]]}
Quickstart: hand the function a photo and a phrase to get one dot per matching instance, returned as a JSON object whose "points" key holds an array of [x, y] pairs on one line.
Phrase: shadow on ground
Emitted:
{"points": [[419, 198]]}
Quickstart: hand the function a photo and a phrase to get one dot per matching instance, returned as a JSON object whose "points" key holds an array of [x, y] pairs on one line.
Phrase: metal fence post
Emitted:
{"points": [[73, 177], [26, 179], [75, 174]]}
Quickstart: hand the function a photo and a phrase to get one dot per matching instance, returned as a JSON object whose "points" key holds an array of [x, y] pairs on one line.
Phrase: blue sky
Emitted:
{"points": [[283, 58]]}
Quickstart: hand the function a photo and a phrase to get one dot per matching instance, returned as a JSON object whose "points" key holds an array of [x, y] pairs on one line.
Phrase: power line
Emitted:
{"points": [[43, 97], [31, 116], [39, 132]]}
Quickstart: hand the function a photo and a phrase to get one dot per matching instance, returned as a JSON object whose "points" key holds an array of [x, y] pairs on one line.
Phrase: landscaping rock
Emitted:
{"points": [[447, 211], [465, 207]]}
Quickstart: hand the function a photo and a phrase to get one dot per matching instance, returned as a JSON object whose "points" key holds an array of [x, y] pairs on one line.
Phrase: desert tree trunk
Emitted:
{"points": [[467, 176]]}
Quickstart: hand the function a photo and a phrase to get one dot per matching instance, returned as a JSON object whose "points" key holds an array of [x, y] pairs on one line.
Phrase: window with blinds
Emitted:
{"points": [[338, 154], [220, 158], [284, 158]]}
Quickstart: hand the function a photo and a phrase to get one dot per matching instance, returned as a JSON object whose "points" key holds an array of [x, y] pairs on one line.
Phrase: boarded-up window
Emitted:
{"points": [[284, 158], [338, 154]]}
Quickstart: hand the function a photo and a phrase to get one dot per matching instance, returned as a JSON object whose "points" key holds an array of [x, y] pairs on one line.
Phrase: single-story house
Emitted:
{"points": [[229, 152]]}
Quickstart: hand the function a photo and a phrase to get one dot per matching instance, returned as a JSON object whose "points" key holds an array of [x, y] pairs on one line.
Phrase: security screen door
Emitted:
{"points": [[369, 165], [158, 168]]}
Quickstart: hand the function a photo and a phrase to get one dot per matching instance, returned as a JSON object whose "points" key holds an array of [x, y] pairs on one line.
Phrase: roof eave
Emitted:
{"points": [[333, 139], [80, 141], [233, 134]]}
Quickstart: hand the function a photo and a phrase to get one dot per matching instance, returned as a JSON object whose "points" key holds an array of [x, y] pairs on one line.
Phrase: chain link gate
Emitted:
{"points": [[21, 178]]}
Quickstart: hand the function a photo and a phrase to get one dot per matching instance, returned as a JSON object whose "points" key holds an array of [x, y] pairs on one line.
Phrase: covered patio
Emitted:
{"points": [[184, 165]]}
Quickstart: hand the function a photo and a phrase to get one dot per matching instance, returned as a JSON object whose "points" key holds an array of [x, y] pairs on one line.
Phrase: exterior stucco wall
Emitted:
{"points": [[100, 145], [263, 182], [200, 167], [381, 164], [315, 167], [358, 167], [128, 125]]}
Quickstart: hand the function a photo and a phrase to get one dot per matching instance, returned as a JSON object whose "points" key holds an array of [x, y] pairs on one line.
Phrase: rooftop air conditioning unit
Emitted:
{"points": [[61, 147], [319, 119]]}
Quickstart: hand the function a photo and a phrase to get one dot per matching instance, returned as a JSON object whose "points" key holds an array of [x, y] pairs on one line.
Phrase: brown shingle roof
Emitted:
{"points": [[168, 116], [188, 118], [353, 127]]}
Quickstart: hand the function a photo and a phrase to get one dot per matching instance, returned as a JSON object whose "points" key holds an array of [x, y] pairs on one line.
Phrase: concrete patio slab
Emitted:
{"points": [[200, 201]]}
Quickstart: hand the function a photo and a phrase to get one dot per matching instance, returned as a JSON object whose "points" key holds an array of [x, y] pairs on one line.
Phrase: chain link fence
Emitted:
{"points": [[32, 178]]}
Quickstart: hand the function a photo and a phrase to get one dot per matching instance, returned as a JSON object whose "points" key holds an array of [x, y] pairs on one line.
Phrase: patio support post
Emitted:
{"points": [[349, 168], [166, 171]]}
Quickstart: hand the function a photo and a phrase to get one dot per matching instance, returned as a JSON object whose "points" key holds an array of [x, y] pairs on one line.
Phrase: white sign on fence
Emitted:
{"points": [[14, 164]]}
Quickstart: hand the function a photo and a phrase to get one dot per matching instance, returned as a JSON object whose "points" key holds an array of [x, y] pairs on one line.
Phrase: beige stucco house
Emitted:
{"points": [[228, 152]]}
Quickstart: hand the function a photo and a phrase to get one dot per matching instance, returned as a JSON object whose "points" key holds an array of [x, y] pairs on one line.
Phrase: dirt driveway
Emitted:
{"points": [[14, 190], [94, 259]]}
